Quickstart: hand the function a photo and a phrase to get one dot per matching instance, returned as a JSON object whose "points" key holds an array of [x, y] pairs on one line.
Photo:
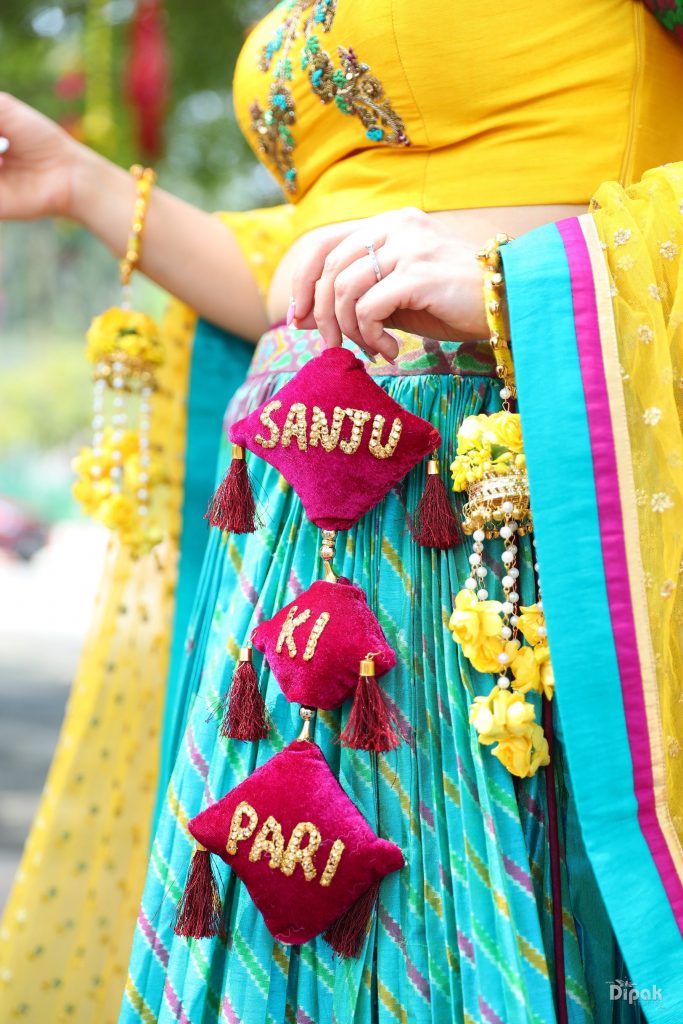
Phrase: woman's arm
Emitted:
{"points": [[190, 253]]}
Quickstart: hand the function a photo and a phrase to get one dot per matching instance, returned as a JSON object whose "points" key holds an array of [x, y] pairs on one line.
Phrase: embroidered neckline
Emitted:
{"points": [[350, 86]]}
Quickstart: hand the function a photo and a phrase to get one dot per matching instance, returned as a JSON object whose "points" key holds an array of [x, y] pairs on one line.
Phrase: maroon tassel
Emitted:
{"points": [[434, 524], [200, 911], [245, 718], [347, 934], [232, 508], [371, 725]]}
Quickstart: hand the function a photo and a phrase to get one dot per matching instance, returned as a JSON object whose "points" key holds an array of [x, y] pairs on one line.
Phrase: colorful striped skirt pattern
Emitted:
{"points": [[464, 932]]}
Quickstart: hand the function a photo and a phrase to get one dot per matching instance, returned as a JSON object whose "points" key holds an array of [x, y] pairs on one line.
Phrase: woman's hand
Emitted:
{"points": [[431, 284], [36, 176]]}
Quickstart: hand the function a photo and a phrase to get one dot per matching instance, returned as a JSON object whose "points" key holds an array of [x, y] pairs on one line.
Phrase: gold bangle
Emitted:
{"points": [[144, 181], [496, 314]]}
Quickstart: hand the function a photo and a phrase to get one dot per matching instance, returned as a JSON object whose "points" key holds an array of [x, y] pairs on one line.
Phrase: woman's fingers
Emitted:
{"points": [[377, 306], [311, 267], [351, 284], [328, 257]]}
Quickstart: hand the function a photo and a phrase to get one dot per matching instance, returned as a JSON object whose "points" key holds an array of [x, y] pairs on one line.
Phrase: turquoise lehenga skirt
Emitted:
{"points": [[464, 932]]}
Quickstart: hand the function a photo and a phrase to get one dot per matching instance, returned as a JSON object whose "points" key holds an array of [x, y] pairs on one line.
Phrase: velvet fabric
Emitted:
{"points": [[296, 786], [334, 471], [352, 632]]}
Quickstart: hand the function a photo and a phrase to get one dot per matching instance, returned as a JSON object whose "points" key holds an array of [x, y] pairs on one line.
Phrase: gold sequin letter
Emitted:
{"points": [[294, 854], [271, 441], [321, 434], [316, 632], [295, 426], [328, 874], [275, 846], [358, 417], [384, 451], [238, 831], [287, 632]]}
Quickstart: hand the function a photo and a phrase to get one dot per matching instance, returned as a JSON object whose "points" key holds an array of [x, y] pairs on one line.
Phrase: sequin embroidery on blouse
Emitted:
{"points": [[351, 87]]}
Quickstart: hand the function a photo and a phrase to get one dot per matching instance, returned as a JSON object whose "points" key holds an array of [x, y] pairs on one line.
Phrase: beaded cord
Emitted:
{"points": [[496, 314], [145, 178]]}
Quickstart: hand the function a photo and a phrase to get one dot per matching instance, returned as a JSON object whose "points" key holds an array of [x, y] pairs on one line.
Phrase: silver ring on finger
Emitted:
{"points": [[373, 259], [4, 144]]}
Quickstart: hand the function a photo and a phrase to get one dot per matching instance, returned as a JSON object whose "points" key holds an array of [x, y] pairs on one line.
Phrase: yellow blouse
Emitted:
{"points": [[358, 108]]}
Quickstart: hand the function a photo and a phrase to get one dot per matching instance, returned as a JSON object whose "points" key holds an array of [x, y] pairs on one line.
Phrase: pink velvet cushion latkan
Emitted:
{"points": [[304, 851], [315, 644], [337, 438]]}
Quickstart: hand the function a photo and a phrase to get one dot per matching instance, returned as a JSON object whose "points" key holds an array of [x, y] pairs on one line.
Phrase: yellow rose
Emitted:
{"points": [[474, 620], [84, 494], [117, 512], [531, 621], [505, 429], [481, 718], [511, 712], [476, 627], [483, 656], [124, 331], [541, 755], [545, 667], [515, 754], [459, 470], [470, 432], [133, 468], [526, 671]]}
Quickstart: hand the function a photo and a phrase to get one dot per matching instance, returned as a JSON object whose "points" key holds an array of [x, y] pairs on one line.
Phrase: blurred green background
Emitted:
{"points": [[71, 61]]}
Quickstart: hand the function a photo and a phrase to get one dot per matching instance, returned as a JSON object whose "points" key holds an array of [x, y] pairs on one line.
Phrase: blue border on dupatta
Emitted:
{"points": [[588, 687]]}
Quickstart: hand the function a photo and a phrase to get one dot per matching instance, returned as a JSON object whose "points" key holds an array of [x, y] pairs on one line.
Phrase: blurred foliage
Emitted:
{"points": [[53, 276], [30, 414], [43, 44]]}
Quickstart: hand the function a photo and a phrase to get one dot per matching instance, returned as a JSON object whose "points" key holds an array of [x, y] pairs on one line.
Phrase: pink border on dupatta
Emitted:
{"points": [[614, 553]]}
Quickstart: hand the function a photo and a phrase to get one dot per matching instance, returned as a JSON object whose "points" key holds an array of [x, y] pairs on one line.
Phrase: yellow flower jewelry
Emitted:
{"points": [[116, 474], [490, 466], [494, 301]]}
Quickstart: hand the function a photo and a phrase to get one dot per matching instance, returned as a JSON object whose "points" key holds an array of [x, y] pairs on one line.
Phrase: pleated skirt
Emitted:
{"points": [[464, 933]]}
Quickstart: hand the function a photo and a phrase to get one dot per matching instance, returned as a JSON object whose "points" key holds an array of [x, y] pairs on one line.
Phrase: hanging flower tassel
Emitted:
{"points": [[434, 524], [244, 709], [200, 910], [371, 725], [232, 508], [347, 933]]}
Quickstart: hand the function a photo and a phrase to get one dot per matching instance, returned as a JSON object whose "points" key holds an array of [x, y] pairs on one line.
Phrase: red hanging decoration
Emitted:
{"points": [[348, 932], [243, 706], [434, 524], [371, 725], [232, 508], [200, 911], [147, 76]]}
